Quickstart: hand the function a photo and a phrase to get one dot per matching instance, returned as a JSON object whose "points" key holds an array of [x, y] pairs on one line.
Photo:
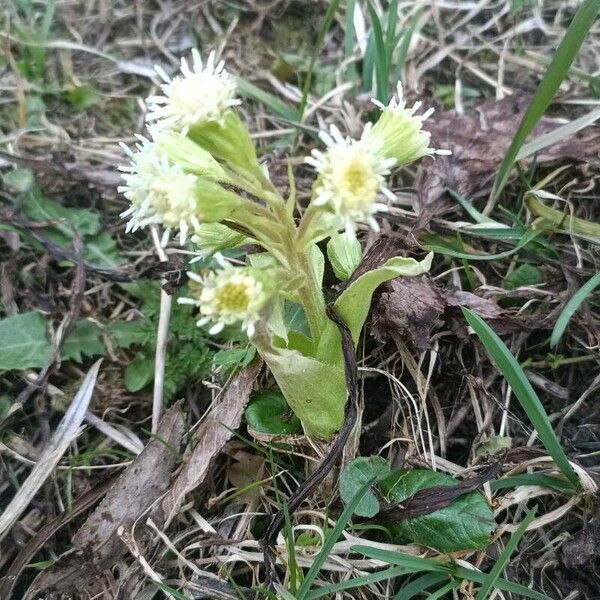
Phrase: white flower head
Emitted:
{"points": [[231, 296], [351, 179], [201, 93], [160, 192], [399, 132]]}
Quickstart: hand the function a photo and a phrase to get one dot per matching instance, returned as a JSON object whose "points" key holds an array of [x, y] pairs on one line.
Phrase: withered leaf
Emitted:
{"points": [[410, 306], [97, 546], [214, 432]]}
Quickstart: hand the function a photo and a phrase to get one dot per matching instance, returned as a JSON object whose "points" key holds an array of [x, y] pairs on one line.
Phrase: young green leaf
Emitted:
{"points": [[268, 412], [516, 378], [83, 341], [344, 254]]}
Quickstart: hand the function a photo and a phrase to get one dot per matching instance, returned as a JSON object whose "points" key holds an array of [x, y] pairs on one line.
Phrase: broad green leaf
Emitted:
{"points": [[24, 342], [294, 318], [315, 391], [216, 237], [355, 301], [355, 475], [571, 307], [83, 341], [344, 254], [523, 275], [516, 378], [268, 412], [465, 524], [39, 208], [139, 373]]}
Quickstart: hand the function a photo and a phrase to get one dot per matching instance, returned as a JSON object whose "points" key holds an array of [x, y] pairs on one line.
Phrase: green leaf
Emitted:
{"points": [[344, 254], [19, 180], [24, 342], [83, 97], [465, 524], [355, 474], [330, 540], [268, 412], [516, 378], [504, 557], [84, 340], [139, 373], [571, 307], [236, 358], [523, 275], [355, 301], [417, 564], [39, 208], [315, 391], [140, 332], [277, 106], [101, 251], [556, 72]]}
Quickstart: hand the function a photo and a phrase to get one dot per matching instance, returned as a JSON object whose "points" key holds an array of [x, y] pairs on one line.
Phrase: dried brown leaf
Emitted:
{"points": [[214, 432], [410, 306], [97, 546]]}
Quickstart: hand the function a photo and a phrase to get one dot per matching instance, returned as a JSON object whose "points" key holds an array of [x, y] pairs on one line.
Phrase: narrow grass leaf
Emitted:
{"points": [[541, 479], [327, 20], [451, 569], [414, 588], [349, 40], [558, 134], [571, 307], [329, 590], [277, 106], [556, 72], [381, 64], [504, 557], [330, 540], [516, 378]]}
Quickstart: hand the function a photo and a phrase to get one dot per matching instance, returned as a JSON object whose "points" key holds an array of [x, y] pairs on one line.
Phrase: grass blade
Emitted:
{"points": [[330, 590], [488, 584], [417, 586], [571, 307], [327, 20], [556, 72], [277, 106], [451, 569], [330, 541], [349, 40], [380, 59], [516, 378]]}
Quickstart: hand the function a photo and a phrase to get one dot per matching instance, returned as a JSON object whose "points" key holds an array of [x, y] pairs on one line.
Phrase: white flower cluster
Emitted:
{"points": [[159, 192], [231, 296], [352, 173], [203, 93]]}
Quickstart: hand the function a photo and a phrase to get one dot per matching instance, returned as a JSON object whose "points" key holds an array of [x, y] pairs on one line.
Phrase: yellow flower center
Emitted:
{"points": [[355, 179], [233, 297]]}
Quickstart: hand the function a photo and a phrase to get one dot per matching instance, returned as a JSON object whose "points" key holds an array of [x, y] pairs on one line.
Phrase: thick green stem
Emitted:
{"points": [[300, 262]]}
